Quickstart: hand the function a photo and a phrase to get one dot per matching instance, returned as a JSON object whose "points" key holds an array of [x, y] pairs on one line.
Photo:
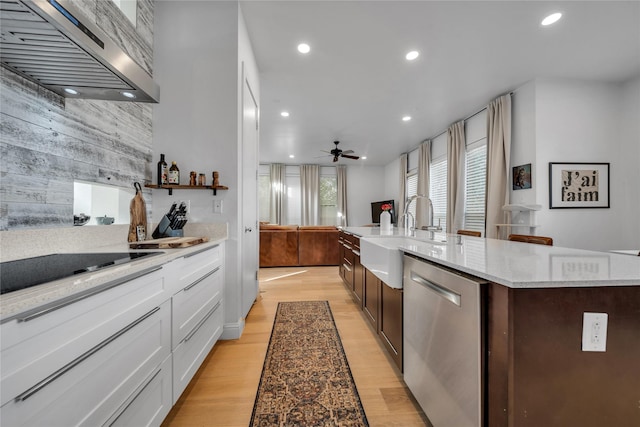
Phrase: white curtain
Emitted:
{"points": [[341, 171], [310, 189], [403, 188], [422, 205], [278, 193], [455, 176], [498, 158]]}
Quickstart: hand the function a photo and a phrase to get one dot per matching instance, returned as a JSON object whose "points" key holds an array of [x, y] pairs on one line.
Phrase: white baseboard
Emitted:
{"points": [[232, 331]]}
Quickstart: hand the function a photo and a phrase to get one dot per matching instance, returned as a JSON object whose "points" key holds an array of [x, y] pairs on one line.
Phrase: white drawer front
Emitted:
{"points": [[90, 389], [192, 268], [32, 349], [191, 352], [152, 403], [194, 302]]}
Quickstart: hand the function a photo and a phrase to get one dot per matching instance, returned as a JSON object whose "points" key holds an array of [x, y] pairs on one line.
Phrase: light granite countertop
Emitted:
{"points": [[94, 239], [515, 264]]}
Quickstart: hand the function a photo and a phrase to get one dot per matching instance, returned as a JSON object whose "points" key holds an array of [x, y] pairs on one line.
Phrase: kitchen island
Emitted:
{"points": [[532, 301]]}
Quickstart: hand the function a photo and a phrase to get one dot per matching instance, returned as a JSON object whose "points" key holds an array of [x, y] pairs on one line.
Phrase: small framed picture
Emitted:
{"points": [[522, 177], [578, 185]]}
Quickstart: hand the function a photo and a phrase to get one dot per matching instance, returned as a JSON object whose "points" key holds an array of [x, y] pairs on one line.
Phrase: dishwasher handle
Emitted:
{"points": [[444, 292]]}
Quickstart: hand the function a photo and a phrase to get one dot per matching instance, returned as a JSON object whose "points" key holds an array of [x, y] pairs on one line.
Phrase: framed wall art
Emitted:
{"points": [[578, 185], [521, 177]]}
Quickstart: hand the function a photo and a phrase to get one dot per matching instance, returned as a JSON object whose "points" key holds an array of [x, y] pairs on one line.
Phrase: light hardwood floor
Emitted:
{"points": [[223, 391]]}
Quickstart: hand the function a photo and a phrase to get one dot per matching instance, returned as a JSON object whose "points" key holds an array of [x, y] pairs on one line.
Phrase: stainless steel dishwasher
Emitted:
{"points": [[443, 343]]}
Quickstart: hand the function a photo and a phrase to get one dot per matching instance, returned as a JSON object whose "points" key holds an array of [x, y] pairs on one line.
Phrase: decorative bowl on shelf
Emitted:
{"points": [[81, 219], [105, 220]]}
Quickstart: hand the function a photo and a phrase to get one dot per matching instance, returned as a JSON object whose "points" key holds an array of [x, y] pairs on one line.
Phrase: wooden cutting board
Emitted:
{"points": [[168, 243]]}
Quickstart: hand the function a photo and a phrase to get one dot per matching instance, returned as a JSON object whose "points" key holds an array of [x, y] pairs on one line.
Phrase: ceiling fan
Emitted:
{"points": [[337, 153]]}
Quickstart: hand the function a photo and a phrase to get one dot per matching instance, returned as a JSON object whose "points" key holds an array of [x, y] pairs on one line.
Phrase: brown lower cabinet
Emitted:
{"points": [[382, 306], [371, 300], [391, 321]]}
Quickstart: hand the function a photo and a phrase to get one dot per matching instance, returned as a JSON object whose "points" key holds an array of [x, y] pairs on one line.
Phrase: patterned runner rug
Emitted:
{"points": [[306, 380]]}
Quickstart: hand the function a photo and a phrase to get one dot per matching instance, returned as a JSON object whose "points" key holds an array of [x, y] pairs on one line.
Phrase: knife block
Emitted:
{"points": [[164, 229]]}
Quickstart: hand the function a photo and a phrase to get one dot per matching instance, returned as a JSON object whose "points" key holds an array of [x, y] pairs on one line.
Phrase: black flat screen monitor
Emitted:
{"points": [[376, 210]]}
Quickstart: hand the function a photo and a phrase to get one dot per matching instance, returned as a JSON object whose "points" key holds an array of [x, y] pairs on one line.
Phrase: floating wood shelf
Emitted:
{"points": [[170, 188]]}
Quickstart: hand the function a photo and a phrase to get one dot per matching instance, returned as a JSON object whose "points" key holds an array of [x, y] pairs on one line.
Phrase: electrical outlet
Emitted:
{"points": [[217, 206], [594, 331]]}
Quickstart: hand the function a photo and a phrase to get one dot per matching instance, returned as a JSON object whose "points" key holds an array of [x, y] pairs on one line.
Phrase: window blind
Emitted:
{"points": [[412, 190], [475, 187], [438, 190]]}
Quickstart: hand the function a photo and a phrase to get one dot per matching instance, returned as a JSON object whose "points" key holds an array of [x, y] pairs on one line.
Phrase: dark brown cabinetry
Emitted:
{"points": [[351, 270], [371, 300], [390, 323], [358, 271], [382, 305], [537, 373]]}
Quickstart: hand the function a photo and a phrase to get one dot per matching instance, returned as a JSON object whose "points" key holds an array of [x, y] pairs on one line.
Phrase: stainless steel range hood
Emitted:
{"points": [[51, 43]]}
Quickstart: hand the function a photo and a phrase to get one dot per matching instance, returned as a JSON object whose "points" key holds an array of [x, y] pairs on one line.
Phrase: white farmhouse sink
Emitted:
{"points": [[382, 256]]}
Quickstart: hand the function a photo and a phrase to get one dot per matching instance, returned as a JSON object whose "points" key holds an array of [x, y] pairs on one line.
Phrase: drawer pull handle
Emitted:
{"points": [[80, 297], [136, 396], [200, 251], [201, 279], [199, 325], [69, 366], [357, 253], [444, 292], [346, 267]]}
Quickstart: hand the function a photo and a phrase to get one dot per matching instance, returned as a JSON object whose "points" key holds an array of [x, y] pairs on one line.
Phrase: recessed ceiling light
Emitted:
{"points": [[304, 48], [285, 114], [128, 95], [412, 55], [364, 157], [70, 91], [291, 156], [406, 118], [551, 19]]}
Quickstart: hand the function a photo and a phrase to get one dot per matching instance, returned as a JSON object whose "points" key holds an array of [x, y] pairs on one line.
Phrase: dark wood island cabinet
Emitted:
{"points": [[381, 305]]}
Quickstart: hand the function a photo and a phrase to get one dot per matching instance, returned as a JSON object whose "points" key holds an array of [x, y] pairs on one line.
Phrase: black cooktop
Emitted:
{"points": [[24, 273]]}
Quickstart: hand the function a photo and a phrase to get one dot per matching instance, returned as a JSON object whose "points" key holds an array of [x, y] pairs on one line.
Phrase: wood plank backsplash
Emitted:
{"points": [[47, 141]]}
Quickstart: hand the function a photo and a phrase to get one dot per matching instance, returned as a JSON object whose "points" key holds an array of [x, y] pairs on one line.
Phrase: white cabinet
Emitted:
{"points": [[120, 354], [191, 352], [90, 388], [152, 402], [198, 313], [202, 281], [40, 343]]}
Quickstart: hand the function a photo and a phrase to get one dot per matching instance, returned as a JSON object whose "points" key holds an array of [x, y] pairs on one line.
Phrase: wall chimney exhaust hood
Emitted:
{"points": [[52, 44]]}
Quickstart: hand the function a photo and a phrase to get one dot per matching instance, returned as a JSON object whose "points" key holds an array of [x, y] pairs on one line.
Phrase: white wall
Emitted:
{"points": [[392, 183], [574, 121], [582, 122], [199, 49], [365, 184], [629, 175], [523, 141]]}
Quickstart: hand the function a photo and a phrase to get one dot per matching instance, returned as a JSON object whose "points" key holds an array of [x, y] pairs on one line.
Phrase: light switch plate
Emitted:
{"points": [[217, 206], [594, 331]]}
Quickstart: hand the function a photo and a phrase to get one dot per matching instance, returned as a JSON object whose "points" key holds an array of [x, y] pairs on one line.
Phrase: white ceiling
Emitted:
{"points": [[355, 84]]}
